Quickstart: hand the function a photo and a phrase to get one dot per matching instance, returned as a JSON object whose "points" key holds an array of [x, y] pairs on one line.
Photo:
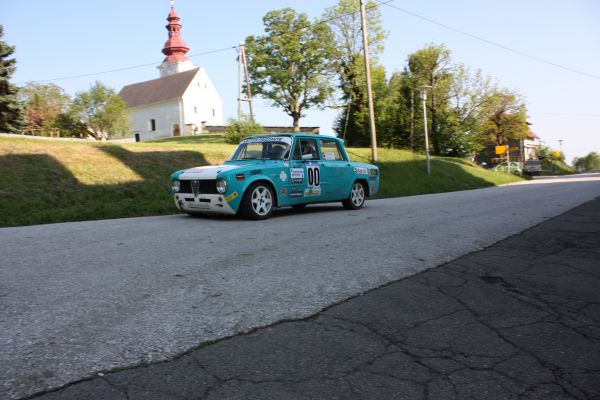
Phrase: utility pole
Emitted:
{"points": [[363, 14], [239, 99], [412, 119], [423, 90], [242, 60]]}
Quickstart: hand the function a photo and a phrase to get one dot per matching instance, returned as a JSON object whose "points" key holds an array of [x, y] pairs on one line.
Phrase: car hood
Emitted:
{"points": [[211, 171], [208, 172]]}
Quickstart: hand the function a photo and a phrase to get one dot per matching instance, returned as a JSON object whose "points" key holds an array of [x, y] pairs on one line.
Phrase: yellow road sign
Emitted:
{"points": [[501, 149]]}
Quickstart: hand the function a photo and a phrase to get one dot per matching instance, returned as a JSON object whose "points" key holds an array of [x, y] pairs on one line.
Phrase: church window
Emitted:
{"points": [[195, 110], [213, 112], [152, 124]]}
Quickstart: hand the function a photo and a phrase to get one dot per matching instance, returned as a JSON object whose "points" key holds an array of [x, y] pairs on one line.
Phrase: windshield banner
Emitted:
{"points": [[283, 139]]}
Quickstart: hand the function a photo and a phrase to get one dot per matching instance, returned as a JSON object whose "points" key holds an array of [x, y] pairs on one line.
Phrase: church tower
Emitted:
{"points": [[181, 102], [175, 48]]}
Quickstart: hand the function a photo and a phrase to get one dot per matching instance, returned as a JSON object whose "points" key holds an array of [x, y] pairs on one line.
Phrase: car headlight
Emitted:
{"points": [[175, 186], [221, 186]]}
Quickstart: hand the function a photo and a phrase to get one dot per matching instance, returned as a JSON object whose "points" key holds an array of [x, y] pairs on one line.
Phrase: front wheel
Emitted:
{"points": [[356, 198], [258, 202]]}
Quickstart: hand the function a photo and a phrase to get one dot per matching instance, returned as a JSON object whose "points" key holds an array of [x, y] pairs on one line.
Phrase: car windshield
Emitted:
{"points": [[263, 148]]}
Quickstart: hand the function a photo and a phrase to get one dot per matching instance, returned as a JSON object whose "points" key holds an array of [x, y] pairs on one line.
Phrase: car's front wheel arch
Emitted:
{"points": [[358, 195], [271, 186], [259, 200], [365, 185]]}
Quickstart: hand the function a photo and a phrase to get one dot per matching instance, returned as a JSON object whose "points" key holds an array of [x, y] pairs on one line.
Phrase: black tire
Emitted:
{"points": [[299, 206], [258, 202], [357, 197]]}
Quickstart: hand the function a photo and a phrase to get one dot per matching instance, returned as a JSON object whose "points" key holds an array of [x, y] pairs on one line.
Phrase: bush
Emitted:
{"points": [[237, 130]]}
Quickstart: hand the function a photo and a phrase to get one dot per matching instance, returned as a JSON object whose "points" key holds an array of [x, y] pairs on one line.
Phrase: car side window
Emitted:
{"points": [[306, 149], [330, 150]]}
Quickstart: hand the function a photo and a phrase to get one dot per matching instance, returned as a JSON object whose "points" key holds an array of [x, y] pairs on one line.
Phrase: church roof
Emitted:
{"points": [[157, 90]]}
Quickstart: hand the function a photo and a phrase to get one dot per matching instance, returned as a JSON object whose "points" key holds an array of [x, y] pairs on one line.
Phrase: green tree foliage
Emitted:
{"points": [[353, 123], [237, 130], [591, 162], [101, 110], [466, 111], [292, 64], [431, 66], [11, 110], [506, 117], [44, 103], [345, 22]]}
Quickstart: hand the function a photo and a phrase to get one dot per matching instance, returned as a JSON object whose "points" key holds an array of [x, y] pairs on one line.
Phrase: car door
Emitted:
{"points": [[305, 172], [335, 172]]}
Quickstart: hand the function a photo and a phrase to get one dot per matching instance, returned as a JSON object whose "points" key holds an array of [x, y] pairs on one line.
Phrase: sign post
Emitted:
{"points": [[504, 149]]}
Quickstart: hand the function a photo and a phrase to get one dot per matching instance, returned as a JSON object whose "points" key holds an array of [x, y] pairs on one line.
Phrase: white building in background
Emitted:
{"points": [[181, 102]]}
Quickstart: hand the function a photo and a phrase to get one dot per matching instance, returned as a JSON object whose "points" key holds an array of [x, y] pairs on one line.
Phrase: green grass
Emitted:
{"points": [[44, 181], [556, 168], [404, 173]]}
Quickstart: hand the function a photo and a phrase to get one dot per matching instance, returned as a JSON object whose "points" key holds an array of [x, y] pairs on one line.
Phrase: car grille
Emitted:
{"points": [[199, 186]]}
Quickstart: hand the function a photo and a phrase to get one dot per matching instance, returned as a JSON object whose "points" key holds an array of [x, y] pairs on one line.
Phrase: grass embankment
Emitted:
{"points": [[44, 181], [556, 168]]}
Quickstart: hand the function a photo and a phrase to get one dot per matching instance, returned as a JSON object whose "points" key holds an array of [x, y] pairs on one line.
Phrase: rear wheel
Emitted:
{"points": [[258, 202], [356, 198]]}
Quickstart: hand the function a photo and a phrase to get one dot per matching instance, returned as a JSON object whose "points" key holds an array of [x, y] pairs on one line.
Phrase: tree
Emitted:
{"points": [[11, 110], [506, 117], [431, 66], [101, 110], [353, 123], [591, 162], [44, 103], [345, 21], [237, 130], [461, 119], [291, 65]]}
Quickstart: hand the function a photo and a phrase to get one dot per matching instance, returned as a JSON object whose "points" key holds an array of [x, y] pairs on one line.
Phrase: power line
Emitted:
{"points": [[489, 41], [123, 69], [63, 78], [553, 114]]}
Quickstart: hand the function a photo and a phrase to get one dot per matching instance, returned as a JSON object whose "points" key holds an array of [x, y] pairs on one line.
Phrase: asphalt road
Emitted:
{"points": [[517, 320], [81, 298]]}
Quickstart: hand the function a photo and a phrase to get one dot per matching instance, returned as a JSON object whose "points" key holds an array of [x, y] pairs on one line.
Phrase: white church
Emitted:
{"points": [[181, 102]]}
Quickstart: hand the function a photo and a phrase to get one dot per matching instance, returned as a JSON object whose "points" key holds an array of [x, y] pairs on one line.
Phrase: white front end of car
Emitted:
{"points": [[203, 203], [197, 190]]}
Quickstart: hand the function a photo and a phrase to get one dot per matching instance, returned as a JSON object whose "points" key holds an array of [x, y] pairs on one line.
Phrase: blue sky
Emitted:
{"points": [[57, 39]]}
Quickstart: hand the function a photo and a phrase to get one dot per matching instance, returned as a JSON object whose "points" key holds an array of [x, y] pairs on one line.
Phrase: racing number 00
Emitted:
{"points": [[314, 176]]}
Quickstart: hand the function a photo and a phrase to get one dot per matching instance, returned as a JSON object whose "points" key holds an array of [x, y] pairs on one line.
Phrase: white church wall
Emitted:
{"points": [[202, 102], [165, 114]]}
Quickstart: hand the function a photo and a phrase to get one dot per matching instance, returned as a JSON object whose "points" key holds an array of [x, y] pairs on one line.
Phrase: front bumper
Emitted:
{"points": [[203, 203]]}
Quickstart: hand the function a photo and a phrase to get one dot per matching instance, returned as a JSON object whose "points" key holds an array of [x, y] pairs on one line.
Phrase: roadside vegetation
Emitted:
{"points": [[46, 181]]}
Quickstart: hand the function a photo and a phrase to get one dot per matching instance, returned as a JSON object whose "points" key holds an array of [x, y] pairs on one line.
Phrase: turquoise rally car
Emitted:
{"points": [[270, 171]]}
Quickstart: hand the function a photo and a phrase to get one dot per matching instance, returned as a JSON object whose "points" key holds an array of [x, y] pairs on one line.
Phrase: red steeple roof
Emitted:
{"points": [[174, 48]]}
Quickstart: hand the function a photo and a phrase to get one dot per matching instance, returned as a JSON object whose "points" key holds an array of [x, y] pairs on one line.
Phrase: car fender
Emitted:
{"points": [[262, 177], [362, 172]]}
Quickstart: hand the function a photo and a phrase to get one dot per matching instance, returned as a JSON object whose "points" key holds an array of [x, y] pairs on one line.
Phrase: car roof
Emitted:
{"points": [[296, 135]]}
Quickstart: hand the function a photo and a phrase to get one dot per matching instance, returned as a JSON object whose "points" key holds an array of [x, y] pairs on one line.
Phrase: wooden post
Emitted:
{"points": [[239, 63], [248, 90], [368, 72]]}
